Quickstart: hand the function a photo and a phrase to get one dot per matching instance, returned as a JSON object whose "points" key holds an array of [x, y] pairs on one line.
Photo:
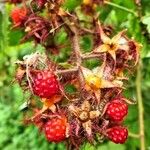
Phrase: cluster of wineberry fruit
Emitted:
{"points": [[97, 108]]}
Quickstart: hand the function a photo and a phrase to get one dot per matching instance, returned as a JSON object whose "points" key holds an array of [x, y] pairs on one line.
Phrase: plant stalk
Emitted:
{"points": [[77, 51], [134, 135], [121, 7], [140, 106]]}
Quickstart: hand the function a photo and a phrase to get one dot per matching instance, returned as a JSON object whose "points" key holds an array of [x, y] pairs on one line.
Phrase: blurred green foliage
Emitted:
{"points": [[13, 133]]}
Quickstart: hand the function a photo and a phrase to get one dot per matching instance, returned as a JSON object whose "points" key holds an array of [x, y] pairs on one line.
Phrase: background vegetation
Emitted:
{"points": [[117, 13]]}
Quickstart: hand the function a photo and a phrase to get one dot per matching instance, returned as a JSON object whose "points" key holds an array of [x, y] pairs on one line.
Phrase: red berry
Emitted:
{"points": [[117, 110], [55, 129], [18, 15], [45, 84], [117, 134]]}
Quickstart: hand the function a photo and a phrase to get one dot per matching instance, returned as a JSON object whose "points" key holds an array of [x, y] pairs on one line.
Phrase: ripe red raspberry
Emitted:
{"points": [[18, 16], [117, 134], [45, 84], [55, 129], [117, 110]]}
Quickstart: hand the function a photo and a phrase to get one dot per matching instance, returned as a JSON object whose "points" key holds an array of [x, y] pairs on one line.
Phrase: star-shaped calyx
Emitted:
{"points": [[111, 45], [97, 79], [85, 115]]}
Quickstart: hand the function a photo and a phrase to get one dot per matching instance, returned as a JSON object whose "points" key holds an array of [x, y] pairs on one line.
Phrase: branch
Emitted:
{"points": [[76, 49], [88, 56], [140, 106], [66, 71], [134, 135], [121, 7]]}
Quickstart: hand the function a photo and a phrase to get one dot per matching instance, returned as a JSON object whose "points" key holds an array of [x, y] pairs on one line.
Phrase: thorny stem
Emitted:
{"points": [[76, 49], [121, 7], [140, 106], [73, 70], [75, 45], [88, 56]]}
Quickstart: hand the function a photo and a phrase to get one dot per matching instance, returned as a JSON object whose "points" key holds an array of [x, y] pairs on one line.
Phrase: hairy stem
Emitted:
{"points": [[76, 49], [121, 7], [66, 71], [140, 106], [88, 56]]}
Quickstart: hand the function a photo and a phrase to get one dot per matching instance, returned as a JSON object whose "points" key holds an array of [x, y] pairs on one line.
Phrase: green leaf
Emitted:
{"points": [[113, 146], [70, 88], [146, 21], [111, 18], [71, 4], [88, 146]]}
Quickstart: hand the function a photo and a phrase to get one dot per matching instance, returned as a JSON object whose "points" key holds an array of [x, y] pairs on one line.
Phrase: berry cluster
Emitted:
{"points": [[97, 107]]}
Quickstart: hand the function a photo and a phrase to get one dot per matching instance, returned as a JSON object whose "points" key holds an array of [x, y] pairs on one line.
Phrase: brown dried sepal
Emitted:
{"points": [[20, 74], [84, 114]]}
